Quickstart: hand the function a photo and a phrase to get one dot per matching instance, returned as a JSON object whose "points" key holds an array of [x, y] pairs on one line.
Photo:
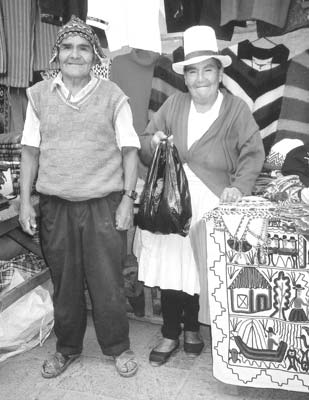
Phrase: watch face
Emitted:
{"points": [[133, 194]]}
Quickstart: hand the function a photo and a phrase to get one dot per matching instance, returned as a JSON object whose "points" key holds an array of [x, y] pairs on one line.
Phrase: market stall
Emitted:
{"points": [[256, 262]]}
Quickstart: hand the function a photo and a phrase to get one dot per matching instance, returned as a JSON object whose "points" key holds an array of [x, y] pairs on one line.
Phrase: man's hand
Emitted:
{"points": [[27, 218], [124, 214], [230, 195]]}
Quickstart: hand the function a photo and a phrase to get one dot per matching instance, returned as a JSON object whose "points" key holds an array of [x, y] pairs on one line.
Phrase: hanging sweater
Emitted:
{"points": [[165, 80], [133, 73], [271, 11], [79, 157], [294, 116], [18, 32], [3, 55], [58, 12], [262, 89], [230, 153]]}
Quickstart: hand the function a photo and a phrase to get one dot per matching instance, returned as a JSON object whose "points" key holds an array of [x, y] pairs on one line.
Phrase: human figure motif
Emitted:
{"points": [[271, 341], [292, 357], [297, 313]]}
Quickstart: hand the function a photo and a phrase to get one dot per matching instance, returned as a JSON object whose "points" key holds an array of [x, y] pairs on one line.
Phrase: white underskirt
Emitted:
{"points": [[167, 261]]}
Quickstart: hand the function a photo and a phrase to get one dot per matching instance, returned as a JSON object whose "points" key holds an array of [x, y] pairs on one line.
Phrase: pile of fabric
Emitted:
{"points": [[10, 154], [288, 163], [25, 265]]}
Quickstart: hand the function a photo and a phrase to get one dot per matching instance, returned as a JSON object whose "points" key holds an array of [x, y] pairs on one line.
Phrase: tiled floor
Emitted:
{"points": [[93, 376]]}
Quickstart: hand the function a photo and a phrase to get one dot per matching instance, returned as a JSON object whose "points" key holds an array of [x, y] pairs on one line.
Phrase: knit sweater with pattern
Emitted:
{"points": [[79, 157], [262, 89]]}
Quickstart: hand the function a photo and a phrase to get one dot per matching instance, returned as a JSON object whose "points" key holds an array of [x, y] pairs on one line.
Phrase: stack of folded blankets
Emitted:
{"points": [[10, 154]]}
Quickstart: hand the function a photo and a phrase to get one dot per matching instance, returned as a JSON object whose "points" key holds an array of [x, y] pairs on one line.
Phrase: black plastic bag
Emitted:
{"points": [[165, 205]]}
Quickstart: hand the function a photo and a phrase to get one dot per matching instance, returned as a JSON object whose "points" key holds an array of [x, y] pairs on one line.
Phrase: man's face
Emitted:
{"points": [[202, 80], [75, 57]]}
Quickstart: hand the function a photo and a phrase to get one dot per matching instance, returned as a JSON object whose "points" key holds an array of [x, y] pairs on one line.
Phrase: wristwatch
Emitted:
{"points": [[130, 193]]}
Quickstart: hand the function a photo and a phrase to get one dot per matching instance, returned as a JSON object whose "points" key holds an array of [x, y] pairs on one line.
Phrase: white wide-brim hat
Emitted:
{"points": [[200, 43]]}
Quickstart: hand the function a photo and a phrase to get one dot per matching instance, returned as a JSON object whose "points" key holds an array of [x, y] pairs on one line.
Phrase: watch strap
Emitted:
{"points": [[130, 193]]}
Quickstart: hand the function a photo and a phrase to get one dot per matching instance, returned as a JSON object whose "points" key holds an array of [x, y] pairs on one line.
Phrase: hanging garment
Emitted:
{"points": [[3, 54], [134, 24], [298, 17], [258, 75], [211, 16], [44, 39], [133, 73], [294, 116], [165, 80], [271, 11], [58, 12], [18, 27], [17, 110], [181, 14], [4, 109]]}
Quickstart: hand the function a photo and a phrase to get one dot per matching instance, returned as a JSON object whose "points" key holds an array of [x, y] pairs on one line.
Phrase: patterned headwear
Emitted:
{"points": [[77, 27]]}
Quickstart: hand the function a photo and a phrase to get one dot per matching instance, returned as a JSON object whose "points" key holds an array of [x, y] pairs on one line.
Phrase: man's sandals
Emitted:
{"points": [[57, 364], [126, 364]]}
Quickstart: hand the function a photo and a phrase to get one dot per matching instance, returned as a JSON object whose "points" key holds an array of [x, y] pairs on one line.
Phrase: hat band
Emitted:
{"points": [[200, 53]]}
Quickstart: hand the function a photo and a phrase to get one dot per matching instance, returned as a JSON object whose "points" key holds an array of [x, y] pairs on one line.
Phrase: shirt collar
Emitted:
{"points": [[215, 108], [58, 83]]}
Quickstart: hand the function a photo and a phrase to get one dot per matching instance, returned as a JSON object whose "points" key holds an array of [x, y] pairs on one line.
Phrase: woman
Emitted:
{"points": [[222, 152]]}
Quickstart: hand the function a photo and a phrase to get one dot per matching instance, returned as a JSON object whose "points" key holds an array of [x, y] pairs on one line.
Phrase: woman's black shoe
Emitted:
{"points": [[158, 358], [193, 343], [193, 348]]}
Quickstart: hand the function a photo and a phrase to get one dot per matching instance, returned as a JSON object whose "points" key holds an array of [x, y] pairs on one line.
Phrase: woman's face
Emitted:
{"points": [[202, 80], [75, 57]]}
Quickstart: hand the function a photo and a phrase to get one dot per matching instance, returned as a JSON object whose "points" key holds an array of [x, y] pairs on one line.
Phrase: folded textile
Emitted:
{"points": [[278, 152], [284, 189], [27, 263]]}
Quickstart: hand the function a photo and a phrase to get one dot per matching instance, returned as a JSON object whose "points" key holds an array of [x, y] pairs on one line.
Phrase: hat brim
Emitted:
{"points": [[179, 66]]}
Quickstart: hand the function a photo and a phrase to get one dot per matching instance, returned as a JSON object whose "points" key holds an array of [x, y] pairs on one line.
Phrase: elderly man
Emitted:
{"points": [[80, 144]]}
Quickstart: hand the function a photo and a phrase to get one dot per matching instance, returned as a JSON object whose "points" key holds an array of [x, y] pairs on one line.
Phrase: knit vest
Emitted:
{"points": [[79, 157]]}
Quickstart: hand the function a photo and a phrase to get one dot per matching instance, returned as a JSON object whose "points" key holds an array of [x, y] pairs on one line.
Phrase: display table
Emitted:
{"points": [[258, 284], [9, 226]]}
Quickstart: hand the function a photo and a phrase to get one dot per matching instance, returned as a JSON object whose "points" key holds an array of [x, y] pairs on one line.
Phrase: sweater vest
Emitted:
{"points": [[79, 156]]}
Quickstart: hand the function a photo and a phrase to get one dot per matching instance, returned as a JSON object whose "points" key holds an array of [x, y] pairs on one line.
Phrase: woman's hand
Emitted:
{"points": [[230, 195], [158, 137]]}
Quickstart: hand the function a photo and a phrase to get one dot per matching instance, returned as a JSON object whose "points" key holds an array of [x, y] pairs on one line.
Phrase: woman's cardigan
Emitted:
{"points": [[229, 154]]}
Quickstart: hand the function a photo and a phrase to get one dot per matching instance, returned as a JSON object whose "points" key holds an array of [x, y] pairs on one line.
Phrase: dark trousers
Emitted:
{"points": [[179, 307], [80, 244]]}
